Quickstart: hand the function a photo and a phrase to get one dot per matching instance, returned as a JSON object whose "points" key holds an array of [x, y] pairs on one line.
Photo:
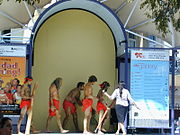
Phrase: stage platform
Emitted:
{"points": [[96, 134]]}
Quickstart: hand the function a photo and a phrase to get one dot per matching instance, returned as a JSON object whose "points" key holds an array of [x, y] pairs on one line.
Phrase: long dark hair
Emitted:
{"points": [[57, 82], [122, 84], [104, 85]]}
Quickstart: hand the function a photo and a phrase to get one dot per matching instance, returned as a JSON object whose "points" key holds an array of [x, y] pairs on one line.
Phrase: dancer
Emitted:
{"points": [[26, 102], [69, 103], [87, 103], [122, 96], [54, 104], [102, 107]]}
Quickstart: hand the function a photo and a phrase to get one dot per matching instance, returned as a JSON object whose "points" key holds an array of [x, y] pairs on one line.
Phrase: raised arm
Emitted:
{"points": [[113, 96]]}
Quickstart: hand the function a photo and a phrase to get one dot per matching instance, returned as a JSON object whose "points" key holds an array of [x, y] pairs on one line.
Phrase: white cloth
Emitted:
{"points": [[125, 97]]}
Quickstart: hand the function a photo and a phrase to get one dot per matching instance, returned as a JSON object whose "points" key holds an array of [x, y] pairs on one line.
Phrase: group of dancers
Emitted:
{"points": [[120, 96]]}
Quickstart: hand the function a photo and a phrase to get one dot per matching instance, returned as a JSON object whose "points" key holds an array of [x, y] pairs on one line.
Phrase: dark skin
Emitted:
{"points": [[73, 97]]}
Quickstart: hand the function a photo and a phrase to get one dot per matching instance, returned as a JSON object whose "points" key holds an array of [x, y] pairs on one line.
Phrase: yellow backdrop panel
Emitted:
{"points": [[72, 44]]}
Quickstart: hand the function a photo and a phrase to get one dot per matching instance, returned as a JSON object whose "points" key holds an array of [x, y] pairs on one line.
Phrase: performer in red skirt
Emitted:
{"points": [[101, 106], [54, 104], [87, 103], [26, 102], [69, 103]]}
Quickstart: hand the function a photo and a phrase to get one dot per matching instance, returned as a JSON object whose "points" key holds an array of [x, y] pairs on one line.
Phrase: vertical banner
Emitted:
{"points": [[12, 65], [149, 86]]}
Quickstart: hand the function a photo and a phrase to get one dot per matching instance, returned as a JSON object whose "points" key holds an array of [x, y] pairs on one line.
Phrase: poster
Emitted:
{"points": [[12, 65], [149, 86]]}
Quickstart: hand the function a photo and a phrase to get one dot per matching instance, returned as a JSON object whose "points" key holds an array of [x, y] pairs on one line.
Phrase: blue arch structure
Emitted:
{"points": [[92, 6]]}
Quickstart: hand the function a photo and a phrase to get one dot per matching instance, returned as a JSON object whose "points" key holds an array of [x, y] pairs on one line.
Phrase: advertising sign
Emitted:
{"points": [[12, 66]]}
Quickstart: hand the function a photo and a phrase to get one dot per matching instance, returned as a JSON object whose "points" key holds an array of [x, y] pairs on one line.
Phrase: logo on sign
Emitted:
{"points": [[139, 55]]}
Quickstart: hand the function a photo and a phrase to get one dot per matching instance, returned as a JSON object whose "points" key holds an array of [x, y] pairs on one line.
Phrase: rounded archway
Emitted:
{"points": [[73, 43]]}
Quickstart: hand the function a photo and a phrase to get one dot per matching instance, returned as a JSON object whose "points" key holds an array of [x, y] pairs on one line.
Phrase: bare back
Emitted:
{"points": [[100, 96], [88, 91], [53, 92], [73, 96]]}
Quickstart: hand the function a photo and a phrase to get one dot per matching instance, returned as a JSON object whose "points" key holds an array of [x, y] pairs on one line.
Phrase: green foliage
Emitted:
{"points": [[31, 2], [163, 11]]}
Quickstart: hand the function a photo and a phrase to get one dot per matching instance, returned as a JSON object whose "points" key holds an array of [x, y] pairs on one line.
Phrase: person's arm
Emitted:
{"points": [[113, 96], [52, 91], [77, 97], [131, 100], [112, 103]]}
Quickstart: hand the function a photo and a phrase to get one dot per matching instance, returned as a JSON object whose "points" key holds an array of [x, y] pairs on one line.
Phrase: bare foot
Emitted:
{"points": [[104, 130], [20, 133], [36, 131], [86, 132], [100, 132], [64, 131]]}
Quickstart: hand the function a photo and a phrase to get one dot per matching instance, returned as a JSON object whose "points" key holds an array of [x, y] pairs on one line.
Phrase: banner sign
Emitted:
{"points": [[12, 65], [149, 87], [16, 51]]}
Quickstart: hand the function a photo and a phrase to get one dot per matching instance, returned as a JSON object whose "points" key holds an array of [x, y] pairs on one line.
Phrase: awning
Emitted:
{"points": [[17, 15], [134, 19]]}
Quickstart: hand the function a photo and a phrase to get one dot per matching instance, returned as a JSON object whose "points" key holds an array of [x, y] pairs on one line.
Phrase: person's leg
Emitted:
{"points": [[85, 121], [22, 114], [33, 128], [100, 118], [68, 113], [75, 121], [48, 122], [89, 120], [104, 121], [119, 127], [123, 128], [58, 116]]}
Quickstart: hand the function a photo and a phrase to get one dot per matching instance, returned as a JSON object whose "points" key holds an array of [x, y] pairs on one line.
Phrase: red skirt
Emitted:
{"points": [[100, 106], [87, 103], [25, 103], [67, 104], [56, 104]]}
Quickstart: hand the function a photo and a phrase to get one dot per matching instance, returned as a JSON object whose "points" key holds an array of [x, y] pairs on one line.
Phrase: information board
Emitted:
{"points": [[149, 87]]}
